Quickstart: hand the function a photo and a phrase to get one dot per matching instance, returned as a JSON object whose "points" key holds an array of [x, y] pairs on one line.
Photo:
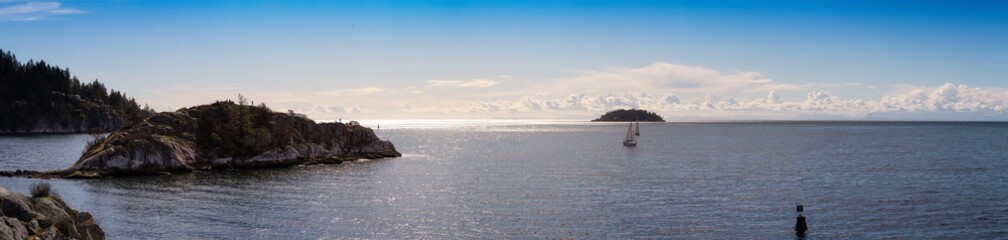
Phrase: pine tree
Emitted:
{"points": [[35, 91]]}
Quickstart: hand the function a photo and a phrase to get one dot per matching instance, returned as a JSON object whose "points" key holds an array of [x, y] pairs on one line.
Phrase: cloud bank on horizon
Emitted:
{"points": [[682, 92]]}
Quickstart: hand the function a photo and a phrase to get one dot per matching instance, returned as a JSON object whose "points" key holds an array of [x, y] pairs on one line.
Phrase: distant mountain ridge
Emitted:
{"points": [[36, 97]]}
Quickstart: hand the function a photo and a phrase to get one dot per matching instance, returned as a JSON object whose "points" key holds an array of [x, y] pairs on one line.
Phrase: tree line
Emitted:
{"points": [[625, 115], [244, 129], [37, 91]]}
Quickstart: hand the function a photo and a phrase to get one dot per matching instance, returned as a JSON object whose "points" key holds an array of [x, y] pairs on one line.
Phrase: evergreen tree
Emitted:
{"points": [[36, 92]]}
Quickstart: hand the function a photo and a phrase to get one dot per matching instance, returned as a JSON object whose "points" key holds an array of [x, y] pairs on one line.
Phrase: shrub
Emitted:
{"points": [[96, 141], [41, 189]]}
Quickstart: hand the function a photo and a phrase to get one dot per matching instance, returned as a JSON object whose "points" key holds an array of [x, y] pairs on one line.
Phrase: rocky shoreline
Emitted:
{"points": [[104, 173], [43, 216], [222, 135]]}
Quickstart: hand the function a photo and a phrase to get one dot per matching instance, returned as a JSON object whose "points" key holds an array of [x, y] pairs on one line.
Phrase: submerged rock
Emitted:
{"points": [[221, 135], [44, 217]]}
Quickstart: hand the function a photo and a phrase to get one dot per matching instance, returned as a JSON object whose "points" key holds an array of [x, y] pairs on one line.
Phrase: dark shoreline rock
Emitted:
{"points": [[43, 217], [222, 135]]}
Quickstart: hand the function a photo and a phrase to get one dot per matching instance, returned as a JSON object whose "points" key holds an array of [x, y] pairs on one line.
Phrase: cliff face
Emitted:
{"points": [[225, 135], [48, 217]]}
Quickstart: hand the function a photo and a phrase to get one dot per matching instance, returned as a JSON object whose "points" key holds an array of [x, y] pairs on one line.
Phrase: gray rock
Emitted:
{"points": [[44, 218], [16, 205], [272, 157], [153, 153], [11, 228]]}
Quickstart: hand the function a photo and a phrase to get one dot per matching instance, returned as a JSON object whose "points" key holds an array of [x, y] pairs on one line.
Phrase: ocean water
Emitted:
{"points": [[563, 179]]}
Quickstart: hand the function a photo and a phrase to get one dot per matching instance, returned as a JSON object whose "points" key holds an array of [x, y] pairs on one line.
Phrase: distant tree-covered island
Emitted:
{"points": [[629, 115], [36, 97]]}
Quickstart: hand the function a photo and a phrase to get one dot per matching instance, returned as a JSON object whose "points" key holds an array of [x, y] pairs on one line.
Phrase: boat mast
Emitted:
{"points": [[637, 129]]}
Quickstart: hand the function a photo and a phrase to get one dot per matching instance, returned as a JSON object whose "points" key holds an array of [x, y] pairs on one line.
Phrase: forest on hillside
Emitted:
{"points": [[38, 97], [629, 115]]}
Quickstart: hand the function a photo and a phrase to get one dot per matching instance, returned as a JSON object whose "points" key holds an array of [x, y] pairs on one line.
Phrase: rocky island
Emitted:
{"points": [[221, 135], [44, 215], [629, 115]]}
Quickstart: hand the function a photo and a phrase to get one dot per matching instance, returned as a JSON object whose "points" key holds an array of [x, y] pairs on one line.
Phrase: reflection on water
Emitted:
{"points": [[561, 179], [40, 151]]}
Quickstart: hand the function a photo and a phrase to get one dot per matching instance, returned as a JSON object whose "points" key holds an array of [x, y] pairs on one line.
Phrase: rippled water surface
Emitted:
{"points": [[549, 179]]}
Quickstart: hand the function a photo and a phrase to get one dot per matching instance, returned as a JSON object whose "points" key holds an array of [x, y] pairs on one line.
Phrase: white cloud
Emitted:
{"points": [[475, 83], [662, 76], [773, 98], [946, 98], [353, 92], [30, 11], [675, 91], [819, 97], [655, 86], [330, 110]]}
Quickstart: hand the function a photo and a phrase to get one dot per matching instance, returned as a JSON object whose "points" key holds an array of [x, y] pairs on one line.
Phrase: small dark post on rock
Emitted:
{"points": [[800, 226]]}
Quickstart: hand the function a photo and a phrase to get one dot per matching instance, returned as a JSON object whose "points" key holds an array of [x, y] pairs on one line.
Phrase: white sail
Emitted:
{"points": [[637, 129], [630, 133], [630, 142]]}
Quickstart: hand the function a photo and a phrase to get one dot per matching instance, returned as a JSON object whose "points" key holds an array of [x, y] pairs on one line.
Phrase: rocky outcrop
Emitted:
{"points": [[219, 136], [44, 217]]}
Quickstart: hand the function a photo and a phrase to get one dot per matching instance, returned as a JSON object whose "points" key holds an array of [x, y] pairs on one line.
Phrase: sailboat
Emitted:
{"points": [[630, 139], [637, 129]]}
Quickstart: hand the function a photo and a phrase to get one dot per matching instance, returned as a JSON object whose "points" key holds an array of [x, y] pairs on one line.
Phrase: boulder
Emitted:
{"points": [[153, 152], [46, 217], [11, 228]]}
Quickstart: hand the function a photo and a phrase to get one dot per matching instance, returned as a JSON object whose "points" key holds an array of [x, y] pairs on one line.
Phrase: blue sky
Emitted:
{"points": [[531, 59]]}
